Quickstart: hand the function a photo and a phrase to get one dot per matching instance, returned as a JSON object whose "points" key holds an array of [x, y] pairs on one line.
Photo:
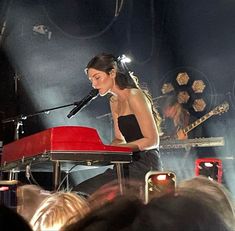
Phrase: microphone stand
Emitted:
{"points": [[18, 120]]}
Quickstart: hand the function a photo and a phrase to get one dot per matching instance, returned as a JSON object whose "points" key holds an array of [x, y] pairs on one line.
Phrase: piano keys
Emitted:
{"points": [[64, 144], [192, 143]]}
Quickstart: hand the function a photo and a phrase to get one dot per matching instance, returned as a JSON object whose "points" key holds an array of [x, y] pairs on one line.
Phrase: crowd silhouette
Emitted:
{"points": [[198, 204]]}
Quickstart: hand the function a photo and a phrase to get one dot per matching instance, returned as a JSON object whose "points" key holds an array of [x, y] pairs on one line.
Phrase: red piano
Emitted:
{"points": [[64, 144]]}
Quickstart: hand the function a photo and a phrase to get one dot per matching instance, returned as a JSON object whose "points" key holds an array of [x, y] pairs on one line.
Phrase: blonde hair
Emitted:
{"points": [[55, 211], [29, 197]]}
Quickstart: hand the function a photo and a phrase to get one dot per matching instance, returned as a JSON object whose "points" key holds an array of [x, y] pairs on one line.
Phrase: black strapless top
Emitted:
{"points": [[129, 127]]}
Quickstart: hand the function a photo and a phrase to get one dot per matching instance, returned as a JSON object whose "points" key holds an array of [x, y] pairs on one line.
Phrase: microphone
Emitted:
{"points": [[85, 101]]}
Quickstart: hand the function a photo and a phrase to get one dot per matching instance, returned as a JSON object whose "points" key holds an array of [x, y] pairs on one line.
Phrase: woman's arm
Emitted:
{"points": [[140, 107]]}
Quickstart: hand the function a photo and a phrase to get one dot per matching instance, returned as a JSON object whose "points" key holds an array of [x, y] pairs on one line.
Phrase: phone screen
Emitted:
{"points": [[158, 183], [210, 168], [8, 195]]}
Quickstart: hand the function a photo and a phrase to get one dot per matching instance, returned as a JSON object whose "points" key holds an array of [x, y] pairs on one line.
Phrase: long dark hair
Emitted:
{"points": [[124, 78]]}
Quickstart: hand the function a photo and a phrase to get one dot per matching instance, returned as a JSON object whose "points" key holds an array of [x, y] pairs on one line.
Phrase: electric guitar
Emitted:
{"points": [[182, 133]]}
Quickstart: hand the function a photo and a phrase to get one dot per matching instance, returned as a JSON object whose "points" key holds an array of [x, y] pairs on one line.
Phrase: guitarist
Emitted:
{"points": [[175, 118]]}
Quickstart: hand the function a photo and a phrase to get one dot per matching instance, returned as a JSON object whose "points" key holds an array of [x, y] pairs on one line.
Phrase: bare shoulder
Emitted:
{"points": [[134, 92], [136, 95], [137, 100]]}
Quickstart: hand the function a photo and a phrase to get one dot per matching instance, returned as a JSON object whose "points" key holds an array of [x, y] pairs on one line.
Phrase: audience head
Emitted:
{"points": [[11, 220], [29, 197], [178, 212], [111, 190], [57, 210], [216, 195], [115, 215]]}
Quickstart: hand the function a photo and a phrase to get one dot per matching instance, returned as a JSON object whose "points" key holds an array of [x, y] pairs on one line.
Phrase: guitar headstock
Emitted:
{"points": [[221, 108]]}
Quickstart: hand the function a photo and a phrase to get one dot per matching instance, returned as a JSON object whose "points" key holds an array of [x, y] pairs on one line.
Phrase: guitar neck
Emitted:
{"points": [[217, 110], [197, 122]]}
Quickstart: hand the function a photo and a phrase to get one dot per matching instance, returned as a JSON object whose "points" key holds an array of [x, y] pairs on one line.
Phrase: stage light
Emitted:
{"points": [[183, 97], [209, 167], [198, 86], [4, 188], [167, 88], [124, 59], [43, 30], [182, 78], [199, 105], [208, 164], [161, 177]]}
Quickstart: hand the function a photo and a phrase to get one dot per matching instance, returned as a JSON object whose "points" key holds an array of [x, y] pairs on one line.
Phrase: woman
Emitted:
{"points": [[135, 120]]}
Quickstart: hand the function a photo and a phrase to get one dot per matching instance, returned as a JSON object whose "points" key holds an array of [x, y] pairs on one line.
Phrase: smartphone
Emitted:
{"points": [[158, 183], [8, 193], [210, 168]]}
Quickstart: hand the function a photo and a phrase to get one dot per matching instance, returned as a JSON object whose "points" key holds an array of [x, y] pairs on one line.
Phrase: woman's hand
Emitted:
{"points": [[181, 135]]}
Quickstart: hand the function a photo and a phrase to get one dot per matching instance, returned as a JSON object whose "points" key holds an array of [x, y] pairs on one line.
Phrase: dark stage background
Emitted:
{"points": [[45, 46]]}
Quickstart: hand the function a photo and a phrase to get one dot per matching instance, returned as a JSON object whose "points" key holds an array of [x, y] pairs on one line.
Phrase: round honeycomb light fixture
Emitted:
{"points": [[191, 88]]}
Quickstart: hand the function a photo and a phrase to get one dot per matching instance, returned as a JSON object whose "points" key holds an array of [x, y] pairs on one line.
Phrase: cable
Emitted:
{"points": [[152, 34], [66, 175], [116, 14], [28, 174]]}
